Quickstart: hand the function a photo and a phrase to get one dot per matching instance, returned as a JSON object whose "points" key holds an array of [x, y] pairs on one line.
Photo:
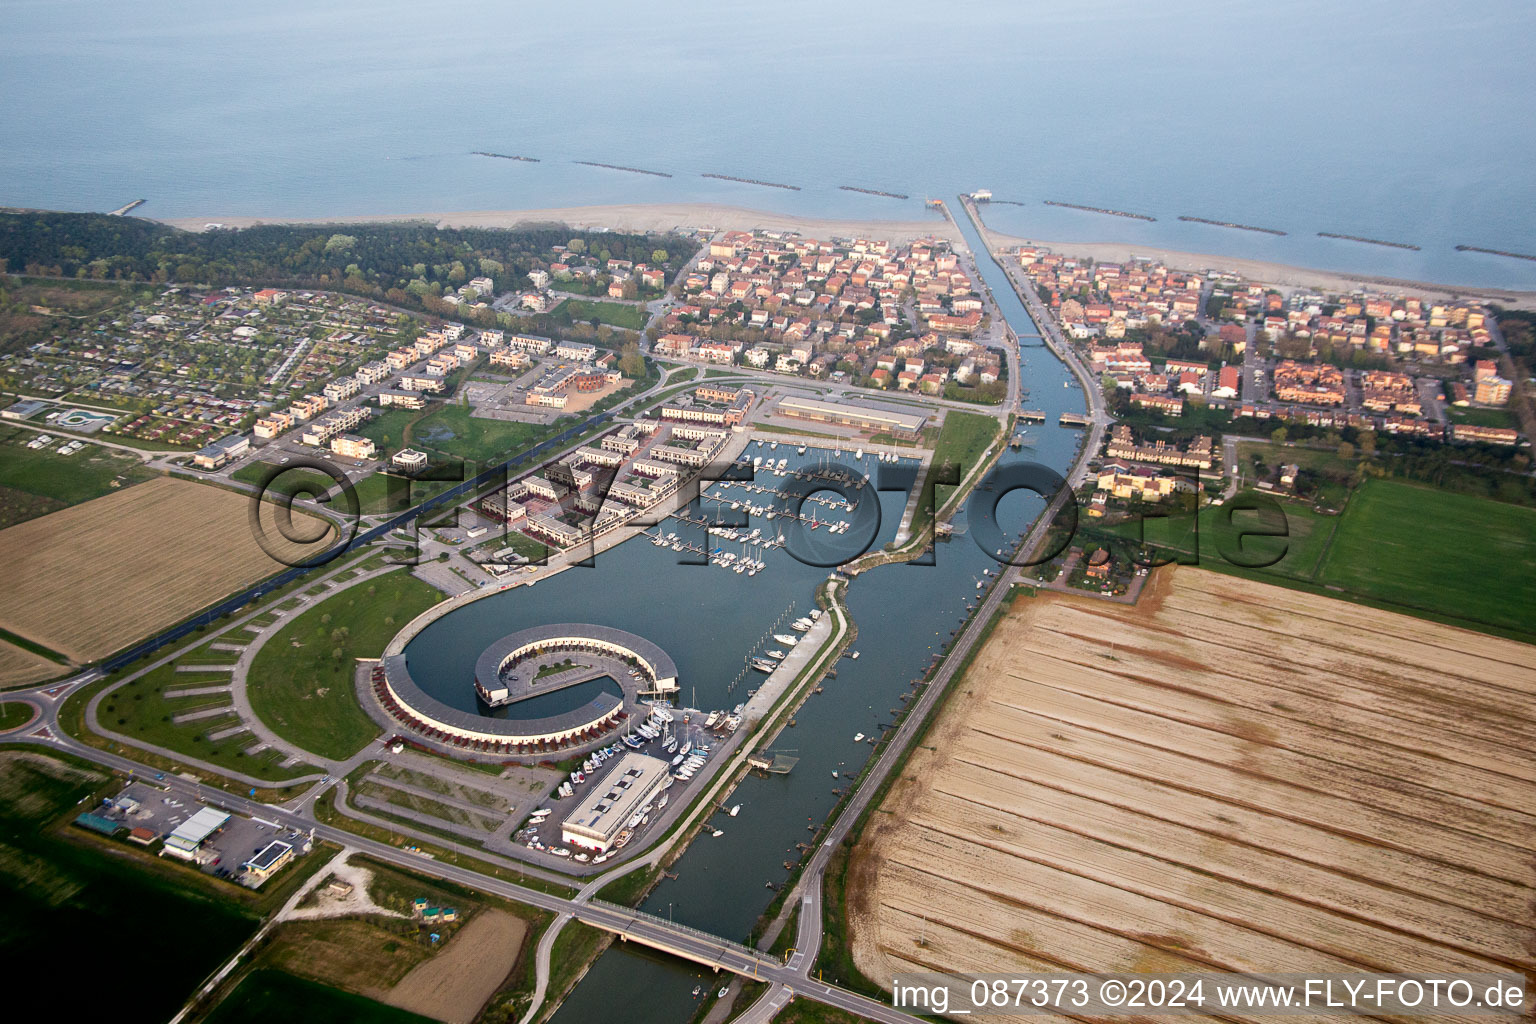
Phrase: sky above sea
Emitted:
{"points": [[1403, 121]]}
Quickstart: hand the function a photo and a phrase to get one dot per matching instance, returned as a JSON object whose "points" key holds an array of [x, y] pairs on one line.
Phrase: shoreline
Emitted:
{"points": [[687, 217], [645, 217], [1267, 272]]}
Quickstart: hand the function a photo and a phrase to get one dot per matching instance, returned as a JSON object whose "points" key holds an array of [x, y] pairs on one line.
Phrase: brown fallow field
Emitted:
{"points": [[1229, 776], [92, 579]]}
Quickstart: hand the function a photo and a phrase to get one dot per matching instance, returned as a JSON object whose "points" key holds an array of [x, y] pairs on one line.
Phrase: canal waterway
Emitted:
{"points": [[905, 614]]}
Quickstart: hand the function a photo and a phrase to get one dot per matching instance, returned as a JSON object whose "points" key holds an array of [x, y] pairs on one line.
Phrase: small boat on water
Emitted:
{"points": [[786, 639], [855, 655], [800, 625], [834, 773], [717, 833], [762, 664], [858, 737], [733, 810], [775, 655]]}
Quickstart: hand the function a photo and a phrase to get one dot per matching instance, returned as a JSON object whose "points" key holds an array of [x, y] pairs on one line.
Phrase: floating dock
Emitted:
{"points": [[1032, 415]]}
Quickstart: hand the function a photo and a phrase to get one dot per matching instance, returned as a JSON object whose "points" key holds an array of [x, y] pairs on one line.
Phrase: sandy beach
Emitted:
{"points": [[633, 217], [716, 217], [1273, 273]]}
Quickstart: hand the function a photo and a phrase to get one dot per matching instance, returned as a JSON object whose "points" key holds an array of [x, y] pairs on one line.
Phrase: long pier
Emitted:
{"points": [[125, 210]]}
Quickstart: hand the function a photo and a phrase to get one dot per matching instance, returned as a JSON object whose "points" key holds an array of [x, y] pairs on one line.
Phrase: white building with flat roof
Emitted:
{"points": [[615, 798], [187, 840]]}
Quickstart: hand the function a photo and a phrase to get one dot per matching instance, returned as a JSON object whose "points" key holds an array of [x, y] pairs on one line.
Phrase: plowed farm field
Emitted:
{"points": [[91, 579], [1229, 776]]}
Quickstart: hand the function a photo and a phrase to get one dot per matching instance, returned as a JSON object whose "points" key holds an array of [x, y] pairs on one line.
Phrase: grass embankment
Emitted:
{"points": [[962, 443], [301, 683], [575, 948]]}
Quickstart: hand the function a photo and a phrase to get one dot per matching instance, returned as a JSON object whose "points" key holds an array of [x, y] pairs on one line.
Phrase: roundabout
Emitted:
{"points": [[529, 668]]}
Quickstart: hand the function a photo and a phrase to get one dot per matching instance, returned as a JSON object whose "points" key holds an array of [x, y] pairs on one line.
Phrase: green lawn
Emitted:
{"points": [[387, 430], [37, 481], [303, 690], [1481, 417], [13, 714], [1306, 537], [686, 373], [963, 439], [289, 481], [375, 497], [267, 995], [1453, 555], [453, 432], [140, 709], [614, 314]]}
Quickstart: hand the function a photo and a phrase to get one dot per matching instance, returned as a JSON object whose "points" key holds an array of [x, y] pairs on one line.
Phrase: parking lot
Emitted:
{"points": [[142, 805]]}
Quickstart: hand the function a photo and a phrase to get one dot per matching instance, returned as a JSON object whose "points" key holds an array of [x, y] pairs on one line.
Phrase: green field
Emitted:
{"points": [[265, 996], [302, 688], [453, 432], [1306, 537], [34, 482], [964, 438], [375, 495], [1458, 557], [1449, 557], [387, 430], [1481, 417], [289, 480], [614, 314], [60, 890], [963, 441]]}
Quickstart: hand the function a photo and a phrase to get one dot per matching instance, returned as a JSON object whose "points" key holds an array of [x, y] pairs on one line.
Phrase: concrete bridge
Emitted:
{"points": [[694, 944]]}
